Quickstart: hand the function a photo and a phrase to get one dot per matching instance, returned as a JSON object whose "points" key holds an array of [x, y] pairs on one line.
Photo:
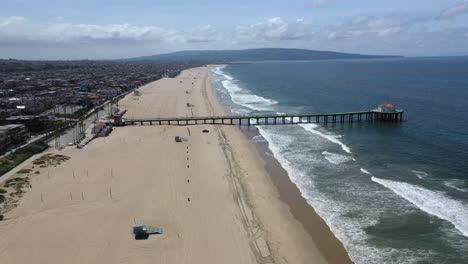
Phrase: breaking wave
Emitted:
{"points": [[420, 174], [242, 96], [332, 138], [455, 184], [345, 199], [349, 231], [335, 158], [431, 202], [365, 171]]}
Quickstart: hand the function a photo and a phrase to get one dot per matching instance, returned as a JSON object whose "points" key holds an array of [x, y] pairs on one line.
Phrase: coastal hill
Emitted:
{"points": [[265, 54]]}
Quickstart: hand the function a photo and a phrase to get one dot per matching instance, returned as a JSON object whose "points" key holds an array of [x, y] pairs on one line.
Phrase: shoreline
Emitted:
{"points": [[330, 246], [332, 249], [211, 193]]}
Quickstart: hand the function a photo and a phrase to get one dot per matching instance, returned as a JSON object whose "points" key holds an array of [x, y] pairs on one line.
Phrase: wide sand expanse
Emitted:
{"points": [[210, 194]]}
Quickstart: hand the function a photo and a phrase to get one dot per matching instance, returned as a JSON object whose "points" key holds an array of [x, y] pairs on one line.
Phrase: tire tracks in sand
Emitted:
{"points": [[252, 225]]}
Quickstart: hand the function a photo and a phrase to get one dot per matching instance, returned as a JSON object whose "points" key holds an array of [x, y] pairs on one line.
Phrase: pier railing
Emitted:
{"points": [[346, 117]]}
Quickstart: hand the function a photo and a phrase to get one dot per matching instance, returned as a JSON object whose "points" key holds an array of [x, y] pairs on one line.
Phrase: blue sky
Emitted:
{"points": [[101, 29]]}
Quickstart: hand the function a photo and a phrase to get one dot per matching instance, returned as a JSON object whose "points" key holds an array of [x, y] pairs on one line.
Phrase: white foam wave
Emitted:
{"points": [[288, 119], [349, 231], [335, 158], [420, 174], [278, 144], [332, 138], [365, 171], [242, 96], [455, 184], [258, 138], [219, 71], [431, 202], [296, 119], [231, 87]]}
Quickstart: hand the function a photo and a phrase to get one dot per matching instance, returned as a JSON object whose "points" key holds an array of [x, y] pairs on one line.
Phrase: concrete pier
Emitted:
{"points": [[350, 117]]}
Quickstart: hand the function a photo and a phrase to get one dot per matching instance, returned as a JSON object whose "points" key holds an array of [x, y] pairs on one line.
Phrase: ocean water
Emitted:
{"points": [[391, 193]]}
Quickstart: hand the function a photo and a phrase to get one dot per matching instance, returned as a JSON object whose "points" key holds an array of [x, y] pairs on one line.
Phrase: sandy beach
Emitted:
{"points": [[211, 195]]}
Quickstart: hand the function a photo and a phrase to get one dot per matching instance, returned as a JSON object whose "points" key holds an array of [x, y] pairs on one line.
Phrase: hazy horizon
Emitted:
{"points": [[107, 29]]}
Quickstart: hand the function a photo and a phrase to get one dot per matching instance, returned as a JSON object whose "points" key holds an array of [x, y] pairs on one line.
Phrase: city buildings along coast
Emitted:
{"points": [[41, 97]]}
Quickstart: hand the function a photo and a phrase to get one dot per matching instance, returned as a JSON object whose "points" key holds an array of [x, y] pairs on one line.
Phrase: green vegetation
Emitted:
{"points": [[24, 171], [39, 126], [50, 160], [78, 114], [14, 159], [16, 186], [16, 182], [52, 125], [2, 191]]}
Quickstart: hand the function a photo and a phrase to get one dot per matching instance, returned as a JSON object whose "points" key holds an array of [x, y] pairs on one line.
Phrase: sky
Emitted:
{"points": [[110, 29]]}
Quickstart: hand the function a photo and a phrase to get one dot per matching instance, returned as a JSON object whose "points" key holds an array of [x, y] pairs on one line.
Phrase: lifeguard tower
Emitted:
{"points": [[142, 231]]}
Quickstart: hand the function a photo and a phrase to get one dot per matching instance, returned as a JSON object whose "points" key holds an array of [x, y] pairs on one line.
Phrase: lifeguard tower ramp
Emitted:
{"points": [[142, 231]]}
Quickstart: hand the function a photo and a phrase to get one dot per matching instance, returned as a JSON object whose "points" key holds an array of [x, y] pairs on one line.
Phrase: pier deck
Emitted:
{"points": [[346, 117]]}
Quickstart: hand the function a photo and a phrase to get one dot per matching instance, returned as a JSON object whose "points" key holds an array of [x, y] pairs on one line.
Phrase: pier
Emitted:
{"points": [[248, 120]]}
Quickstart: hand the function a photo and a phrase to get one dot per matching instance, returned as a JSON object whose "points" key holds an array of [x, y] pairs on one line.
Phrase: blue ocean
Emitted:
{"points": [[390, 192]]}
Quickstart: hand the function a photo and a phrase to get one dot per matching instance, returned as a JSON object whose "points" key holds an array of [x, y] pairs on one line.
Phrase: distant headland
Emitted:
{"points": [[250, 55]]}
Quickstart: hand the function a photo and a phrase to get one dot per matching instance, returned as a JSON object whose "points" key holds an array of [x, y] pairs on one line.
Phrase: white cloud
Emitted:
{"points": [[392, 34], [451, 12], [19, 29], [365, 34], [10, 21], [361, 29], [389, 31], [274, 29], [383, 22], [372, 26]]}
